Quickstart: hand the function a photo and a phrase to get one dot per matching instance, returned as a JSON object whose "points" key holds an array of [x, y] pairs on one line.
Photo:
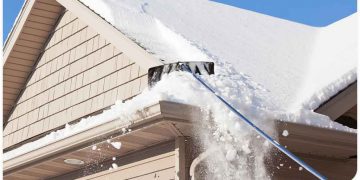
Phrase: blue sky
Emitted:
{"points": [[11, 9], [311, 12]]}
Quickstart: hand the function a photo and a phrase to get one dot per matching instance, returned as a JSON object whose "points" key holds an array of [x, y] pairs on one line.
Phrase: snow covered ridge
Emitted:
{"points": [[291, 60]]}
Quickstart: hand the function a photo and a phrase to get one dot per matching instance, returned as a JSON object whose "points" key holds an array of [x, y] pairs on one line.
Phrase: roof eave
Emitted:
{"points": [[16, 30], [340, 103], [12, 50]]}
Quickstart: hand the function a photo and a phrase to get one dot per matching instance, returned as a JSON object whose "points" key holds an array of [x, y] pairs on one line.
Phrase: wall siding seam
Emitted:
{"points": [[66, 24], [63, 67], [70, 122], [28, 78], [69, 49], [66, 12], [61, 41], [72, 34], [52, 88], [131, 96], [105, 107], [57, 71]]}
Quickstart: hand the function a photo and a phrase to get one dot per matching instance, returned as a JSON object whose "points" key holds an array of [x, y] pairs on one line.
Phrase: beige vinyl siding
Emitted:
{"points": [[78, 74], [24, 45], [161, 167]]}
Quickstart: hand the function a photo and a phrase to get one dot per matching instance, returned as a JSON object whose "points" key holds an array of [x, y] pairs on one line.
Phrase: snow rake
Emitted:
{"points": [[207, 68]]}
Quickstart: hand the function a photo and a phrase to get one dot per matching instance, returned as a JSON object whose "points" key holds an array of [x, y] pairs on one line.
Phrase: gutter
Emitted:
{"points": [[160, 112], [339, 103]]}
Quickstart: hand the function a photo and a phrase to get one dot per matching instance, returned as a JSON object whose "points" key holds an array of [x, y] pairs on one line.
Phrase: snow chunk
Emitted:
{"points": [[114, 165], [123, 130], [116, 145], [285, 133], [94, 147], [231, 154]]}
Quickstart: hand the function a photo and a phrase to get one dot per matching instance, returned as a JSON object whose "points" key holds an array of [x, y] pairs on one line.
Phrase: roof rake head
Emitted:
{"points": [[196, 67]]}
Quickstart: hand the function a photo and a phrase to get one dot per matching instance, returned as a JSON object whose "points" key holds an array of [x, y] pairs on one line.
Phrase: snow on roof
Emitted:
{"points": [[286, 58], [295, 62]]}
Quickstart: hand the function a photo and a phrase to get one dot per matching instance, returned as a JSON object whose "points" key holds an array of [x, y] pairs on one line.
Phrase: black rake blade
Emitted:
{"points": [[196, 67]]}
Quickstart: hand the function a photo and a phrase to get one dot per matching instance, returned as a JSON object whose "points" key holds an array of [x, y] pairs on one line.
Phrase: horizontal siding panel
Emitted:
{"points": [[35, 31], [131, 171], [33, 38], [42, 19], [12, 84], [8, 101], [18, 67], [14, 79], [16, 73], [11, 90], [44, 13], [48, 7], [10, 96], [21, 61], [24, 56], [62, 95], [53, 2], [26, 49], [27, 43], [37, 25], [6, 108]]}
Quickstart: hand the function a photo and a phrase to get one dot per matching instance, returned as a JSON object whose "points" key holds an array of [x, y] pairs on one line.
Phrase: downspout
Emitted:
{"points": [[198, 160]]}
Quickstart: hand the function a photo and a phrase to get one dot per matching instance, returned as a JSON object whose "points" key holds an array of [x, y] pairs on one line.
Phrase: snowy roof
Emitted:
{"points": [[301, 66], [290, 60]]}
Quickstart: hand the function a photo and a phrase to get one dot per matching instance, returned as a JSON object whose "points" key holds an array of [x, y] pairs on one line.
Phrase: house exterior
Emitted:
{"points": [[63, 62]]}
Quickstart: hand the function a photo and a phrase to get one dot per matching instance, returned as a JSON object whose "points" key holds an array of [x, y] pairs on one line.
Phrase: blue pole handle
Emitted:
{"points": [[258, 130]]}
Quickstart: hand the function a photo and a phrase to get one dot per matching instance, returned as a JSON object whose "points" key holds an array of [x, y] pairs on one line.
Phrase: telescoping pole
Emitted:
{"points": [[258, 130]]}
